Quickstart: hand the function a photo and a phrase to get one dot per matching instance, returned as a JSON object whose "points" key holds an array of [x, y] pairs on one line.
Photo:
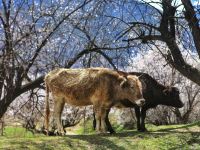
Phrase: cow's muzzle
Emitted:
{"points": [[181, 105], [140, 102]]}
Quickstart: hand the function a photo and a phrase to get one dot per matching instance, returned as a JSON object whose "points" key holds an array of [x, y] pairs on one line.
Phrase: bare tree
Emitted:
{"points": [[26, 30], [163, 25], [40, 35]]}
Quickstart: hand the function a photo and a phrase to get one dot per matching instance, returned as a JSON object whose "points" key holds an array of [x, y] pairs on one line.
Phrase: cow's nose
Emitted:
{"points": [[140, 102]]}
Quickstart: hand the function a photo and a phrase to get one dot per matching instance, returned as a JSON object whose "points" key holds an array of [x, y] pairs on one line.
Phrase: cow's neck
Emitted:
{"points": [[160, 99], [163, 101]]}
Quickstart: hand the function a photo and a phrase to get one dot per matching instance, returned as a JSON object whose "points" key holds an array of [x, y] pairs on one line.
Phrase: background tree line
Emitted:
{"points": [[37, 36]]}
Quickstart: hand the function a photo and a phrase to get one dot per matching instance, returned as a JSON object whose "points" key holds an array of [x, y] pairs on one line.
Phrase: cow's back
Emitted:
{"points": [[71, 80], [77, 86]]}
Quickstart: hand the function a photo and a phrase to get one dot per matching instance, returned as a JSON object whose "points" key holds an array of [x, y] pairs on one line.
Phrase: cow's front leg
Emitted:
{"points": [[107, 121], [143, 116], [137, 113], [58, 108]]}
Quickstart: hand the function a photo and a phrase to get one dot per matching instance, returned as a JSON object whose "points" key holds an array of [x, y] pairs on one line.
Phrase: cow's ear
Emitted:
{"points": [[175, 90], [124, 82]]}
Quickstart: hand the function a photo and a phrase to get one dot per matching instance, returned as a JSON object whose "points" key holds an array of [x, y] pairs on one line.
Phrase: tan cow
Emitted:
{"points": [[100, 87]]}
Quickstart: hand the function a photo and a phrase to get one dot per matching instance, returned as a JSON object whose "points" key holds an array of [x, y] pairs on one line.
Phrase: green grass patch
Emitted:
{"points": [[17, 132], [172, 137]]}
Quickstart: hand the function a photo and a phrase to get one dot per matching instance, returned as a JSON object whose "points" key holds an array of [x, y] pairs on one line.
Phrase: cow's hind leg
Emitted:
{"points": [[107, 121], [103, 118], [94, 120], [58, 108], [97, 115]]}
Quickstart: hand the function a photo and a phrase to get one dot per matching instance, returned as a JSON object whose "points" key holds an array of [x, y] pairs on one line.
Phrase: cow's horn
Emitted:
{"points": [[123, 82]]}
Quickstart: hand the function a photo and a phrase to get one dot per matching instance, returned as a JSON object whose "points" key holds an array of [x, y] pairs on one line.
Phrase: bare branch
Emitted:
{"points": [[107, 58], [50, 34], [193, 22], [146, 38]]}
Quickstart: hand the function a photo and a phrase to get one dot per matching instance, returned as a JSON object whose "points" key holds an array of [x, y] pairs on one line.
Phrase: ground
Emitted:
{"points": [[158, 138]]}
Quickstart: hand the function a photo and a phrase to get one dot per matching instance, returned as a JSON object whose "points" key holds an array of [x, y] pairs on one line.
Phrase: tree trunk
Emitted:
{"points": [[178, 62], [4, 104]]}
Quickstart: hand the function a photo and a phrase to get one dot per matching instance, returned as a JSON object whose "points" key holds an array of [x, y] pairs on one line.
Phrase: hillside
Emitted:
{"points": [[158, 138]]}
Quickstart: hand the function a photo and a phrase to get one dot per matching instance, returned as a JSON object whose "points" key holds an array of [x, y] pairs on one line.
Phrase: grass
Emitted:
{"points": [[88, 129], [171, 137], [17, 132]]}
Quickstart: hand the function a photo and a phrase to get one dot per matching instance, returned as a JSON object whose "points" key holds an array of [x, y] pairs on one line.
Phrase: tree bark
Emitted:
{"points": [[177, 61], [193, 22]]}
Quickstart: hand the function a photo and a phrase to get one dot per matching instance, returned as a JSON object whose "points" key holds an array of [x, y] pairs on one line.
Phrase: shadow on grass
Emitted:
{"points": [[72, 142], [195, 139], [187, 137], [106, 141], [187, 126], [41, 144], [99, 142], [192, 142]]}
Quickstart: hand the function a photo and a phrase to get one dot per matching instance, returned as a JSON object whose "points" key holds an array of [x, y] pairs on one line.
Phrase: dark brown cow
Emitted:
{"points": [[99, 87], [154, 94]]}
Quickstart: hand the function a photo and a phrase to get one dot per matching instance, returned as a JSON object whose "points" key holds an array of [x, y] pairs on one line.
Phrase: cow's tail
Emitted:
{"points": [[47, 110]]}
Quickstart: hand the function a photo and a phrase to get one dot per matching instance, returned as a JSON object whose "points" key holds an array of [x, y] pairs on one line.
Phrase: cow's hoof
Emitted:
{"points": [[57, 133], [48, 133], [98, 133], [102, 132], [60, 134], [112, 132], [45, 132], [143, 130]]}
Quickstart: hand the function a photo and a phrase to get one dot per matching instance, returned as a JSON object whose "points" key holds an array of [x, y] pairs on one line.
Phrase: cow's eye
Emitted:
{"points": [[176, 92]]}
